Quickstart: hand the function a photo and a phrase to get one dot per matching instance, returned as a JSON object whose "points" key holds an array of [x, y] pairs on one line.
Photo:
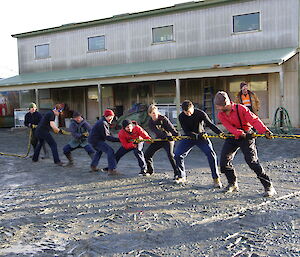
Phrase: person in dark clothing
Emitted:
{"points": [[42, 132], [239, 120], [163, 129], [32, 119], [192, 122], [99, 134], [79, 129]]}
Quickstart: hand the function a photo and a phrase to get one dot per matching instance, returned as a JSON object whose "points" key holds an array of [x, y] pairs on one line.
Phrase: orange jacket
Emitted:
{"points": [[255, 103], [126, 137]]}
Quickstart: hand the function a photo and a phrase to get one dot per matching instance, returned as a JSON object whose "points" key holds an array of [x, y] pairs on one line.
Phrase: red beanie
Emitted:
{"points": [[108, 112]]}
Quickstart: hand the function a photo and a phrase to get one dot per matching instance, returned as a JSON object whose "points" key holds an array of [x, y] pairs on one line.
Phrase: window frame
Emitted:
{"points": [[96, 50], [42, 57], [162, 42], [247, 31]]}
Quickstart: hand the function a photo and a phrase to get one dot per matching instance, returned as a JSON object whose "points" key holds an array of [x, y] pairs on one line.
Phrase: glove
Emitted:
{"points": [[249, 136], [222, 135], [63, 132], [202, 135], [135, 141], [269, 134], [169, 138], [85, 134]]}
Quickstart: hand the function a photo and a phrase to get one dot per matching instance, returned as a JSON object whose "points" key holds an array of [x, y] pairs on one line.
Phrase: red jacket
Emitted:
{"points": [[232, 123], [137, 132]]}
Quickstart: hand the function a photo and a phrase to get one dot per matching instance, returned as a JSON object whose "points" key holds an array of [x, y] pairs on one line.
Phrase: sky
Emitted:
{"points": [[18, 16]]}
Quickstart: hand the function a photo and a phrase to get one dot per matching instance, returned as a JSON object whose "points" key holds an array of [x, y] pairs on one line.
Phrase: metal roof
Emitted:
{"points": [[274, 56], [128, 16]]}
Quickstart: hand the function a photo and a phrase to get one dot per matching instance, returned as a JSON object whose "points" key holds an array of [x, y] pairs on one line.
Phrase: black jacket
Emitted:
{"points": [[32, 118], [100, 132], [162, 127], [194, 124]]}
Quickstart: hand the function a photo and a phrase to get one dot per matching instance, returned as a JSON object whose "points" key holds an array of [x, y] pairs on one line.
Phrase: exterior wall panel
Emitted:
{"points": [[206, 31]]}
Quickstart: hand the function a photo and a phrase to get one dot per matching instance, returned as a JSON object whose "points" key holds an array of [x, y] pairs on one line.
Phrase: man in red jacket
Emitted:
{"points": [[126, 135], [239, 121]]}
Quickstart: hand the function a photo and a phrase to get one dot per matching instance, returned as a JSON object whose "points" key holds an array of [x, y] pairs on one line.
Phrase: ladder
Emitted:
{"points": [[208, 102]]}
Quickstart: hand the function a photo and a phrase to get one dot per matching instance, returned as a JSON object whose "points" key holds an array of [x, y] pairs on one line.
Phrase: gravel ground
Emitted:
{"points": [[55, 211]]}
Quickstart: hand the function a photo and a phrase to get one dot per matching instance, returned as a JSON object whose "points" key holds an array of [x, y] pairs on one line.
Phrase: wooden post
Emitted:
{"points": [[37, 101], [178, 102], [100, 100]]}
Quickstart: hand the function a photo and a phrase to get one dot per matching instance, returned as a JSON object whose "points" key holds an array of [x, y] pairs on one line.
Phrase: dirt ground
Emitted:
{"points": [[55, 211]]}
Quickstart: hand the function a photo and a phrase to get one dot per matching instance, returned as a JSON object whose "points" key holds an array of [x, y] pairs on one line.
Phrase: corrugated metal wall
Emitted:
{"points": [[200, 32]]}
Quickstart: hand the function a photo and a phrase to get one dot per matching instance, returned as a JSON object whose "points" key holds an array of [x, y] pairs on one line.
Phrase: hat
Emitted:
{"points": [[221, 98], [243, 84], [76, 114], [125, 123], [108, 112], [32, 105]]}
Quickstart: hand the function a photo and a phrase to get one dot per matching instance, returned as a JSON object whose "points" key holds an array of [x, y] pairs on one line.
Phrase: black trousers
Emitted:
{"points": [[249, 150], [153, 148], [34, 140]]}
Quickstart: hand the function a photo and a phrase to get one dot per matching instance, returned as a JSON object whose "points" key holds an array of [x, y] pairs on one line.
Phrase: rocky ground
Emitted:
{"points": [[54, 211]]}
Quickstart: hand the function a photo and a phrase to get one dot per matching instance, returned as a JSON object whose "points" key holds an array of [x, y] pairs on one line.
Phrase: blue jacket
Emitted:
{"points": [[100, 132], [76, 130]]}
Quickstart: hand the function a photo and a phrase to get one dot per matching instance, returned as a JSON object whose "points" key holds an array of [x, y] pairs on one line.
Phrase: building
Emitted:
{"points": [[186, 51]]}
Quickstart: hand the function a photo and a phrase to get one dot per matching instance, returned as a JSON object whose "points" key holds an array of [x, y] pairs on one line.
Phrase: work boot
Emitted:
{"points": [[270, 191], [70, 159], [217, 183], [231, 188], [113, 172], [60, 164], [180, 180], [94, 169], [144, 173], [149, 172]]}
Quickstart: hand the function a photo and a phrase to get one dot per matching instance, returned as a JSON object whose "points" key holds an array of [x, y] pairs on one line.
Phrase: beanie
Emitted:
{"points": [[76, 114], [243, 84], [221, 98], [108, 112], [32, 105], [125, 123]]}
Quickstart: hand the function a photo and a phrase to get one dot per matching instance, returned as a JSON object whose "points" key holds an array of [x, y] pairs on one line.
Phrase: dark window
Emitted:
{"points": [[96, 43], [246, 22], [162, 34], [42, 51]]}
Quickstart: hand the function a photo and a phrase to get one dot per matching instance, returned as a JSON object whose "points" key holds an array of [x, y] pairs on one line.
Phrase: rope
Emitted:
{"points": [[28, 148], [205, 136], [64, 132]]}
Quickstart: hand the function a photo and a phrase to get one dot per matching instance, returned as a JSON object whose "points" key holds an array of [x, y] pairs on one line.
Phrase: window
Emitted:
{"points": [[96, 43], [246, 22], [162, 34], [42, 51]]}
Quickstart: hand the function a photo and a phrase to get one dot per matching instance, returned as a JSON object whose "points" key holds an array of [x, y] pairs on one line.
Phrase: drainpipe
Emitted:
{"points": [[178, 102], [100, 100], [37, 101], [281, 86]]}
